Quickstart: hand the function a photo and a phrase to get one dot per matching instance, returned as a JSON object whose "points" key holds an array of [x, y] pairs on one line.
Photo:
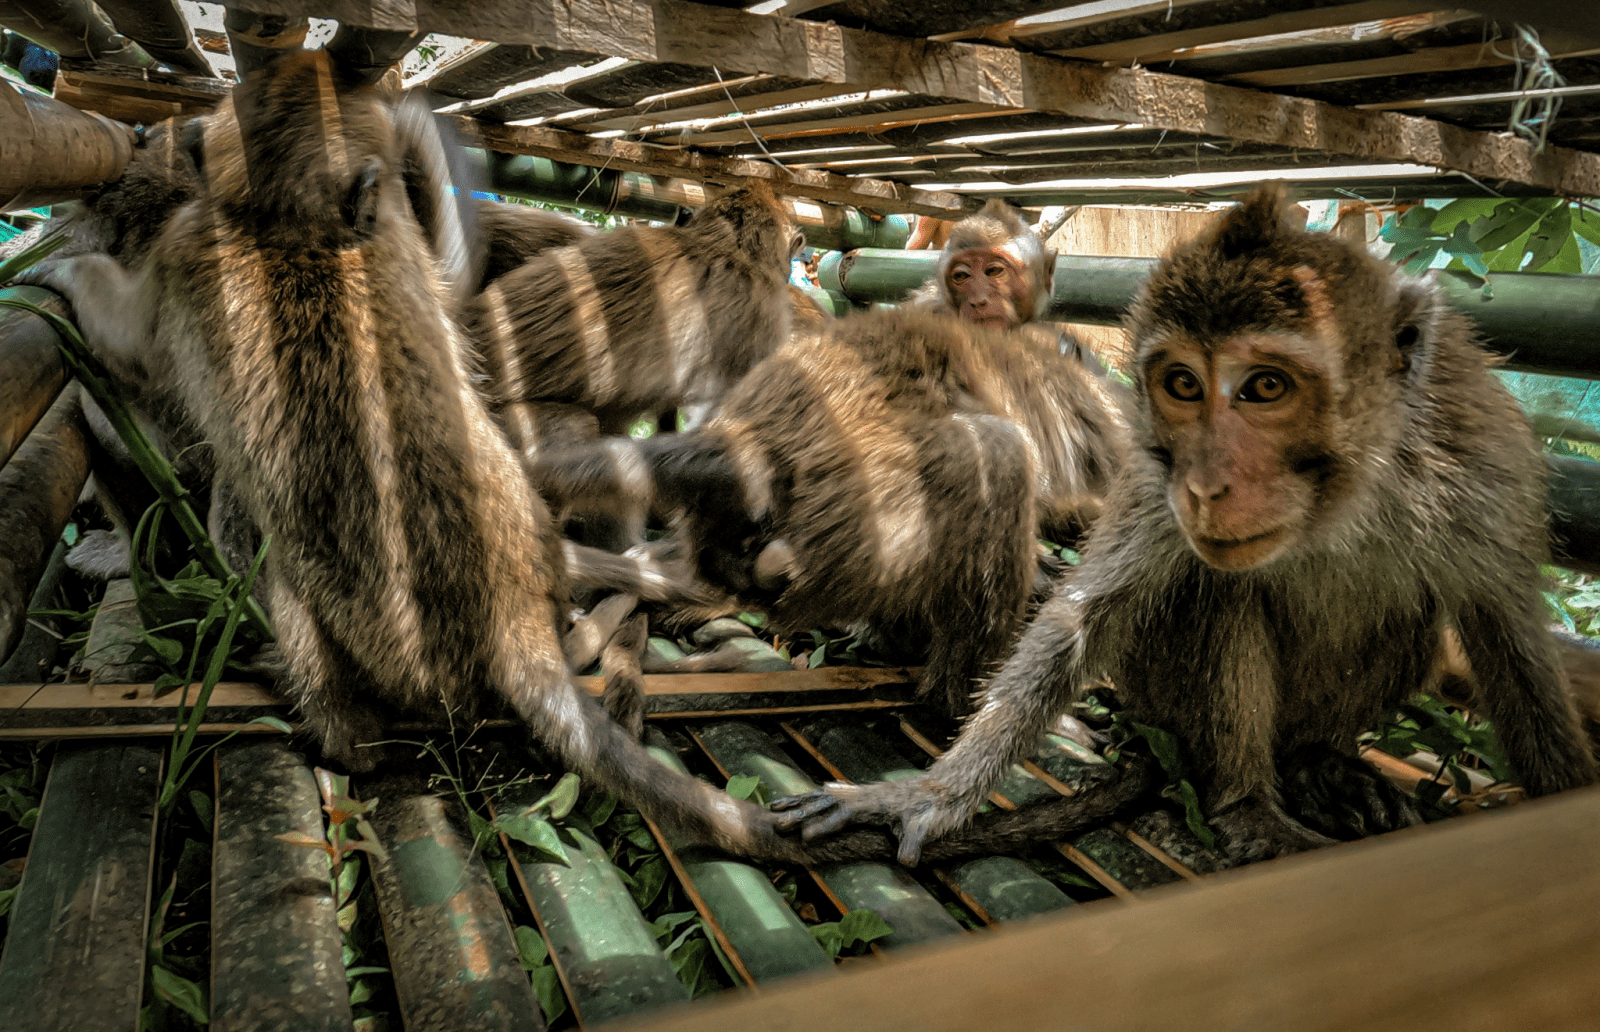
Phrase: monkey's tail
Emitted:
{"points": [[641, 571], [693, 470], [586, 740]]}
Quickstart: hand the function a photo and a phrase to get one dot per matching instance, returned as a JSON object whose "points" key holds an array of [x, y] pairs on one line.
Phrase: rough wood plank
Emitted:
{"points": [[275, 944], [38, 489], [746, 131], [628, 156], [1433, 59], [1273, 946], [74, 957]]}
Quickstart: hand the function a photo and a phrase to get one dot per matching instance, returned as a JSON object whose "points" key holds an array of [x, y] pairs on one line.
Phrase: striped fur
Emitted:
{"points": [[642, 320], [294, 306], [892, 470]]}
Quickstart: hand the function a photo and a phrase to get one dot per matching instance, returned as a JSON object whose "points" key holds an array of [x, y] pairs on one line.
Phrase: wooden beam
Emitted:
{"points": [[1491, 54], [1346, 938], [828, 126], [1153, 48], [739, 43], [627, 156], [643, 116]]}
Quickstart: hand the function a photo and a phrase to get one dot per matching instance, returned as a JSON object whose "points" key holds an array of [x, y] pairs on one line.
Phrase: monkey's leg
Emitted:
{"points": [[641, 571], [1342, 796], [1521, 692], [1036, 683], [623, 697], [583, 644], [108, 306], [1255, 829]]}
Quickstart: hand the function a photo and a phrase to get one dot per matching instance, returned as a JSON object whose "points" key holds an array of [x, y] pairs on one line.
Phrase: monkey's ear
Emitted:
{"points": [[360, 208], [1256, 221], [1416, 320]]}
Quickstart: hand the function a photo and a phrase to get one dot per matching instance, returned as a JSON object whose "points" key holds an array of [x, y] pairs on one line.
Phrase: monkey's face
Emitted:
{"points": [[987, 286], [1237, 426]]}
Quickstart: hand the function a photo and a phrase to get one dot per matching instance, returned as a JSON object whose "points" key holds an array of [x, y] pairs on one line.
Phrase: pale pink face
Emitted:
{"points": [[988, 287]]}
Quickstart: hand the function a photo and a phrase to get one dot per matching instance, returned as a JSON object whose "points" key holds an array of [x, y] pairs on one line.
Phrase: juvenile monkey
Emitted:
{"points": [[993, 270], [892, 469], [1326, 476], [640, 319], [295, 306]]}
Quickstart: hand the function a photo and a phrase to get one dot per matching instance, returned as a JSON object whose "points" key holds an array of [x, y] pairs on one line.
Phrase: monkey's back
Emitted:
{"points": [[630, 321]]}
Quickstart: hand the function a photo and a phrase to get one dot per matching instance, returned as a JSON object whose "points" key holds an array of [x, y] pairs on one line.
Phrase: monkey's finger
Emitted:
{"points": [[913, 833], [790, 812], [830, 820]]}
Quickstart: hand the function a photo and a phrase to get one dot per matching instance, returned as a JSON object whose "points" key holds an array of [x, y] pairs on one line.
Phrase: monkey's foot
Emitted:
{"points": [[918, 809], [93, 285], [1254, 829], [1341, 796]]}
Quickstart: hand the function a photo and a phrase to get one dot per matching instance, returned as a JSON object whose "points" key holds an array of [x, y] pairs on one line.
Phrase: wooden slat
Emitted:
{"points": [[628, 156], [74, 956], [1436, 59], [1161, 46], [748, 130], [275, 943], [644, 115], [1347, 938], [38, 489], [676, 31]]}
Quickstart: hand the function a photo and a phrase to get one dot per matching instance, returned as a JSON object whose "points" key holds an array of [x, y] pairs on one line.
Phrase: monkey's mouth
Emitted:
{"points": [[1241, 553]]}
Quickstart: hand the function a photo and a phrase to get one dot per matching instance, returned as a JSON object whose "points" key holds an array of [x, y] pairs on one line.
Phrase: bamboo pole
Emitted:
{"points": [[51, 152]]}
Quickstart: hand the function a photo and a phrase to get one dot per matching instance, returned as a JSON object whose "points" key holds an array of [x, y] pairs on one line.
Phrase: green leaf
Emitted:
{"points": [[1586, 223], [1163, 745], [1422, 259], [547, 989], [561, 799], [170, 652], [755, 620], [863, 926], [649, 880], [1462, 211], [1509, 221], [531, 947], [537, 833], [828, 937], [7, 896], [819, 656], [746, 786], [201, 803], [276, 723], [1548, 237], [600, 808], [1192, 814], [361, 992], [181, 993], [355, 972], [29, 818]]}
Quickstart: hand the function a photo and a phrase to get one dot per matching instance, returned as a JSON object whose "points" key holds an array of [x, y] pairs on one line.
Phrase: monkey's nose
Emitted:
{"points": [[1204, 494]]}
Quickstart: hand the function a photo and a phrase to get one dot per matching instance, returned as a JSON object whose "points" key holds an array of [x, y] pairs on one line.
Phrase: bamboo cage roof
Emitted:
{"points": [[932, 107]]}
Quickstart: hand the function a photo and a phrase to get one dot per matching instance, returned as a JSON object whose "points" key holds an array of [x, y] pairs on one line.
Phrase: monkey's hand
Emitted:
{"points": [[918, 809], [102, 296]]}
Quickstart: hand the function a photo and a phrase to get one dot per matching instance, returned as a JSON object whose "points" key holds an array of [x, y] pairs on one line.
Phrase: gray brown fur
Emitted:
{"points": [[902, 459], [1421, 502], [294, 305], [642, 320]]}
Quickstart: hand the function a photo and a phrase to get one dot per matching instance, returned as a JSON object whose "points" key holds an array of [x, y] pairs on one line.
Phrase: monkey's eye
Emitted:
{"points": [[960, 275], [1183, 385], [995, 271], [1265, 386]]}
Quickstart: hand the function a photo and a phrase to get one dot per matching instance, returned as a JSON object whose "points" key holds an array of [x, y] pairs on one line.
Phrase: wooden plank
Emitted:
{"points": [[1162, 46], [749, 130], [275, 943], [1274, 946], [739, 43], [454, 962], [1067, 17], [74, 956], [1433, 59], [31, 370], [38, 489], [629, 156], [644, 115]]}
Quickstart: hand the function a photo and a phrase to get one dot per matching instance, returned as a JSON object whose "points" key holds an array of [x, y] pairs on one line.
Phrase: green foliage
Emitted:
{"points": [[749, 786], [851, 933], [1164, 747], [1488, 235], [1428, 724], [535, 957], [1573, 600]]}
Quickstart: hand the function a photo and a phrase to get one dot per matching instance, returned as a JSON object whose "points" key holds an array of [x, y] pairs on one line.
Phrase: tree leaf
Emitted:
{"points": [[828, 937], [863, 926], [649, 880], [561, 799], [1548, 238], [181, 993], [531, 947], [746, 786], [537, 833], [1509, 221], [547, 989], [599, 808]]}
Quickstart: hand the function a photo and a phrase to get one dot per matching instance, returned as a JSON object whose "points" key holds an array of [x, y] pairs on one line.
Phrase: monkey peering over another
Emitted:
{"points": [[993, 270], [1325, 476]]}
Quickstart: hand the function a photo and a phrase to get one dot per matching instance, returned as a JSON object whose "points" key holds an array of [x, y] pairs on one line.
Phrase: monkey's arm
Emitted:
{"points": [[1033, 687], [108, 306]]}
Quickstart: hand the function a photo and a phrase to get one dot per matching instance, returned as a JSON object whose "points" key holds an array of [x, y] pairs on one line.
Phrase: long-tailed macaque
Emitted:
{"points": [[892, 468], [640, 320], [1326, 476], [993, 270], [295, 306]]}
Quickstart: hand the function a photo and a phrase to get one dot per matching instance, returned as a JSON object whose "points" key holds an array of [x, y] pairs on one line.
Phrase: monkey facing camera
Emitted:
{"points": [[1325, 478]]}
